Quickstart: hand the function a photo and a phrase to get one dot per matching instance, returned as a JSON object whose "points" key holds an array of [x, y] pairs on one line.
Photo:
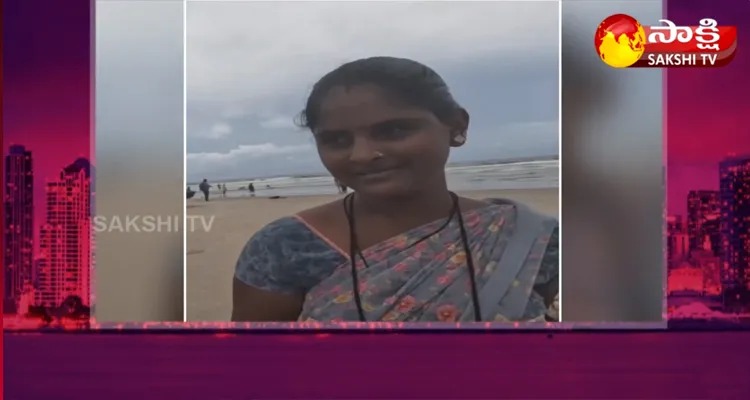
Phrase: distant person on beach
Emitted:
{"points": [[204, 188], [401, 246], [224, 190], [251, 188]]}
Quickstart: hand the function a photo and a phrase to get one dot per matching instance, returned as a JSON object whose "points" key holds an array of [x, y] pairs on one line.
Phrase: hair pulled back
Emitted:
{"points": [[412, 82]]}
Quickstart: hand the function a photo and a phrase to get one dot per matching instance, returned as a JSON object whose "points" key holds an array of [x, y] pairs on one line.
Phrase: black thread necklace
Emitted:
{"points": [[354, 250]]}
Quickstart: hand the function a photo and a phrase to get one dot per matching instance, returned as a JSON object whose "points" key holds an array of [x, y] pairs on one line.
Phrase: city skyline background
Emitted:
{"points": [[62, 95], [705, 122], [706, 109], [46, 261], [708, 248]]}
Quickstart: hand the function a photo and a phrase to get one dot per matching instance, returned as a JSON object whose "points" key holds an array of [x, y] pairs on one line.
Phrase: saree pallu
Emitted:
{"points": [[410, 280]]}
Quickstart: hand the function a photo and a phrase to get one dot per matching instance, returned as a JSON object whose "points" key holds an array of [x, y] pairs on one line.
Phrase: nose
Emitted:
{"points": [[363, 150]]}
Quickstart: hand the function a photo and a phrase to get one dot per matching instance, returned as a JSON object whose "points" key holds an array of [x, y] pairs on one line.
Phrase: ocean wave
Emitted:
{"points": [[520, 175]]}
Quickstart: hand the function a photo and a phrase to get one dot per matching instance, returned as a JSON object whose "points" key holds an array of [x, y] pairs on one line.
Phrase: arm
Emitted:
{"points": [[250, 304]]}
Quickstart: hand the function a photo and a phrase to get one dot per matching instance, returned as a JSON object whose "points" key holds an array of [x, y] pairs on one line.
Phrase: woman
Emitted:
{"points": [[402, 247]]}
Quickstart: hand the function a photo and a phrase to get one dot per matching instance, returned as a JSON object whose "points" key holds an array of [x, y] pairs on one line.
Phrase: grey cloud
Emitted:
{"points": [[251, 64]]}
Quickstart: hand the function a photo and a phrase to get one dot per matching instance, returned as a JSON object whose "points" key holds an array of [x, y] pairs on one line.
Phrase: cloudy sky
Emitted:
{"points": [[250, 66]]}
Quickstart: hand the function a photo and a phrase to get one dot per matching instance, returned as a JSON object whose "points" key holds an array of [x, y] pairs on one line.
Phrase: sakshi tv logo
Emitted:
{"points": [[622, 42]]}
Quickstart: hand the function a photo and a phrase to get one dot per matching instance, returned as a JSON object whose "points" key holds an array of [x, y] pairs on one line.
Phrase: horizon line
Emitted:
{"points": [[453, 164]]}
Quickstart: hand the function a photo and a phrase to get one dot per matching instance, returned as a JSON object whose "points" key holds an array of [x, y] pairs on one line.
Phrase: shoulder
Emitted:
{"points": [[326, 219], [285, 256], [324, 211], [274, 242], [469, 204], [530, 219], [289, 228]]}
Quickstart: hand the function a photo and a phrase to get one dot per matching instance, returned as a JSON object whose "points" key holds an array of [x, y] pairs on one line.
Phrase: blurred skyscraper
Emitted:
{"points": [[19, 227], [704, 209], [65, 238], [734, 184], [677, 240]]}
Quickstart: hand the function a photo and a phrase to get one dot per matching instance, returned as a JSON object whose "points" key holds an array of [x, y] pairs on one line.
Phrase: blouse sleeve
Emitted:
{"points": [[284, 257], [263, 262]]}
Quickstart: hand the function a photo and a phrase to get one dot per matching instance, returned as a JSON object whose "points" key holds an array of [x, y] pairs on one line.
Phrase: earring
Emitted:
{"points": [[459, 139]]}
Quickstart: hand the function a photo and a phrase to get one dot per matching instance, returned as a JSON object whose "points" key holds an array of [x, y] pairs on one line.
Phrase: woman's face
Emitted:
{"points": [[378, 145]]}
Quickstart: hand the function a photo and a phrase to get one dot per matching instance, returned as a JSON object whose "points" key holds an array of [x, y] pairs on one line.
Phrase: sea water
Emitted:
{"points": [[520, 175]]}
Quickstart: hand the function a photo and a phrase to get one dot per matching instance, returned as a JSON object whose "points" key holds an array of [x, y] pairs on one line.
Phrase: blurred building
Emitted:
{"points": [[734, 184], [704, 210], [675, 223], [710, 266], [685, 278], [678, 247], [712, 236], [19, 227], [65, 238], [37, 265]]}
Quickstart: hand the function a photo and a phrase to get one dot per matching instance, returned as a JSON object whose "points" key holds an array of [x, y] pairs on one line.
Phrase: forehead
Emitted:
{"points": [[361, 106]]}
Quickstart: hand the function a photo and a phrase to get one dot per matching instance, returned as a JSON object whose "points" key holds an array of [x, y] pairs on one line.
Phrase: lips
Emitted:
{"points": [[379, 173]]}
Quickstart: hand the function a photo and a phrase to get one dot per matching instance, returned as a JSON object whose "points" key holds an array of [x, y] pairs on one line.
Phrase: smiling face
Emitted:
{"points": [[376, 144]]}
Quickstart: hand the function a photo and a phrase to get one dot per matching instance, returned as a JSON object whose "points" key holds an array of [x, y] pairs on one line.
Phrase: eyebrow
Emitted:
{"points": [[381, 124], [401, 120]]}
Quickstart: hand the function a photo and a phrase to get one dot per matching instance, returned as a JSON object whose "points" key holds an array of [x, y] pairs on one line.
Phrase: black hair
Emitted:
{"points": [[415, 83]]}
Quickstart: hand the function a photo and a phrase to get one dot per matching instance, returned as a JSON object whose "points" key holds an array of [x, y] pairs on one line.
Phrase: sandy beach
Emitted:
{"points": [[211, 255]]}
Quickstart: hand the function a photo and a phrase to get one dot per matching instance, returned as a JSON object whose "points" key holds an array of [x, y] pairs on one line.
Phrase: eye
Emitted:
{"points": [[334, 139], [394, 131]]}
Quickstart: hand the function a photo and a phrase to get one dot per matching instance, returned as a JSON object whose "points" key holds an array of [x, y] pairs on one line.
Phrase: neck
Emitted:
{"points": [[420, 206]]}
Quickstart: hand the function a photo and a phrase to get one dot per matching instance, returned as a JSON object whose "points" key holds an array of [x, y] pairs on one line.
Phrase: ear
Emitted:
{"points": [[458, 139], [460, 128]]}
